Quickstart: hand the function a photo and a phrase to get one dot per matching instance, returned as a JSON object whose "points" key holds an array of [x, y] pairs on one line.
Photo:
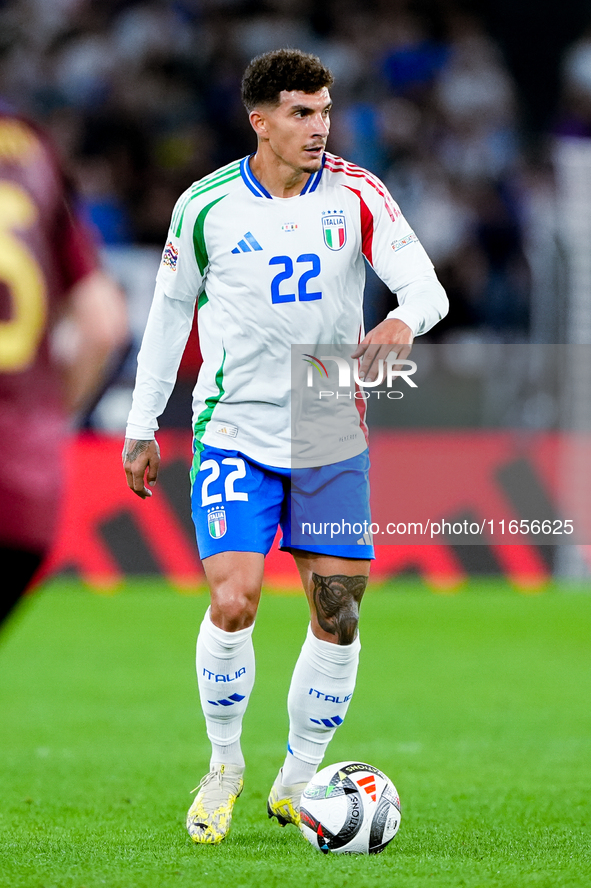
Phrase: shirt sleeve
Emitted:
{"points": [[179, 281], [180, 274], [423, 303], [167, 330], [398, 258]]}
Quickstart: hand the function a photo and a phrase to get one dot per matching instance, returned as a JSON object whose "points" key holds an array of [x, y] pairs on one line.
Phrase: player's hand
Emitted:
{"points": [[389, 336], [139, 456]]}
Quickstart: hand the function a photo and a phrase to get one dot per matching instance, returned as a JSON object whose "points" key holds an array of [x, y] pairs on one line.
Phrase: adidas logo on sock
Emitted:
{"points": [[233, 698], [247, 244], [335, 721]]}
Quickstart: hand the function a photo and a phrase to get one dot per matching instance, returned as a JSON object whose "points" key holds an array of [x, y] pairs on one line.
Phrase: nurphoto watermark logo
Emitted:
{"points": [[389, 369]]}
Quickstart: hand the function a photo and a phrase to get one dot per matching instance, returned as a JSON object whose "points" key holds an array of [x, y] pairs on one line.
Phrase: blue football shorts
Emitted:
{"points": [[238, 504]]}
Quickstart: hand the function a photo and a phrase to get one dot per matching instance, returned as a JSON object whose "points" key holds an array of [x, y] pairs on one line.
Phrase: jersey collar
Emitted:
{"points": [[252, 183]]}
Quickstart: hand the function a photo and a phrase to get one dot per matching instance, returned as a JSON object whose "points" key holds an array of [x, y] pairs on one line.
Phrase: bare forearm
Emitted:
{"points": [[85, 339], [82, 379]]}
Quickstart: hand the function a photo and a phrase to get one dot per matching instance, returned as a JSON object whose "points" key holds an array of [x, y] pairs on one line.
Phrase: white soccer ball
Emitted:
{"points": [[350, 808]]}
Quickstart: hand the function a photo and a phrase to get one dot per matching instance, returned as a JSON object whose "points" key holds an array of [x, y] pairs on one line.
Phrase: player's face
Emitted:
{"points": [[297, 128]]}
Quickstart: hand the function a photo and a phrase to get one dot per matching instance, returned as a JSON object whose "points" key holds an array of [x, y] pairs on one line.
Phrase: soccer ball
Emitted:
{"points": [[350, 808]]}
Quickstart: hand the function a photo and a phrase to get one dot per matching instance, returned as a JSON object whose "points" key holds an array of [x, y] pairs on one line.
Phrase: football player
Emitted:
{"points": [[50, 282], [271, 251]]}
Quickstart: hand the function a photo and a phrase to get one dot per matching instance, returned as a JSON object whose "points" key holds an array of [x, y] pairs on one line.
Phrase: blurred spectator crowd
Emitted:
{"points": [[144, 97]]}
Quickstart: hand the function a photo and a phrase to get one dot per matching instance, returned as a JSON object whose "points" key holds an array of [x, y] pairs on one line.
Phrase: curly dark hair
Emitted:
{"points": [[267, 75]]}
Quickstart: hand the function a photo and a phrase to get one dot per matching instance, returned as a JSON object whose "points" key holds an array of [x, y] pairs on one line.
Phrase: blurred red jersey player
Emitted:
{"points": [[50, 281]]}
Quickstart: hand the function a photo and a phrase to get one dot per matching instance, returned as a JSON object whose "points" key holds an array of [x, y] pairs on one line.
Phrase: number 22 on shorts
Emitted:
{"points": [[211, 465]]}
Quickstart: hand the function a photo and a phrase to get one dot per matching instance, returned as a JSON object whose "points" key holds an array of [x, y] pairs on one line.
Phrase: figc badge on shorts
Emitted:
{"points": [[334, 229], [216, 523]]}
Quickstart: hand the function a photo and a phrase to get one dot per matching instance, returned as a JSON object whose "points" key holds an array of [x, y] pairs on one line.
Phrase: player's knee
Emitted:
{"points": [[234, 608]]}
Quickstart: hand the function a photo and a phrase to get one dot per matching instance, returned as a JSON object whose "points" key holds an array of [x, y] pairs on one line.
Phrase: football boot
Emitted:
{"points": [[284, 801], [210, 815]]}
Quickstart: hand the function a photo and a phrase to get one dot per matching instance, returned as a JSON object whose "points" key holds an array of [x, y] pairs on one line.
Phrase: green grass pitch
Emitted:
{"points": [[477, 705]]}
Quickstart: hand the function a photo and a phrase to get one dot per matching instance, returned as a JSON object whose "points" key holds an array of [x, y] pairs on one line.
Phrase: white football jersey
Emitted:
{"points": [[267, 273]]}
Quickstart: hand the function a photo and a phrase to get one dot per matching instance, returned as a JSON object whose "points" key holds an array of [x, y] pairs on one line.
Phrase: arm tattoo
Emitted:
{"points": [[337, 602], [132, 449]]}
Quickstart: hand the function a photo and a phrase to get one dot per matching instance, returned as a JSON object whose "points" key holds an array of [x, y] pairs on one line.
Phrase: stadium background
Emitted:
{"points": [[476, 115]]}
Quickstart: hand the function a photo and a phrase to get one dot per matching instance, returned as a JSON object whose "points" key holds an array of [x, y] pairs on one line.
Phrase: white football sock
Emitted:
{"points": [[321, 688], [225, 674]]}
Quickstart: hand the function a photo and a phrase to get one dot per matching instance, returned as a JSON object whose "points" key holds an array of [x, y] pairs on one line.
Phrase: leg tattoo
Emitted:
{"points": [[337, 602]]}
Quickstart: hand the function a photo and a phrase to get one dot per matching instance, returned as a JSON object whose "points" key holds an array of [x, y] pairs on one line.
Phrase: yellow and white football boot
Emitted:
{"points": [[210, 815], [284, 801]]}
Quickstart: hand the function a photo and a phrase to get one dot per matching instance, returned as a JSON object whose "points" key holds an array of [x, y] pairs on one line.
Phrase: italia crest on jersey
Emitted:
{"points": [[216, 523], [334, 230]]}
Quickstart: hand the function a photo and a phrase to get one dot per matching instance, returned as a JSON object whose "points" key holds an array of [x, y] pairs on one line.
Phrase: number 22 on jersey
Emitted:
{"points": [[305, 275]]}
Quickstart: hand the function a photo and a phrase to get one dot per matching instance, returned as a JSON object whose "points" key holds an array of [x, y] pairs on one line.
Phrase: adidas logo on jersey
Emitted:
{"points": [[247, 244], [225, 429]]}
